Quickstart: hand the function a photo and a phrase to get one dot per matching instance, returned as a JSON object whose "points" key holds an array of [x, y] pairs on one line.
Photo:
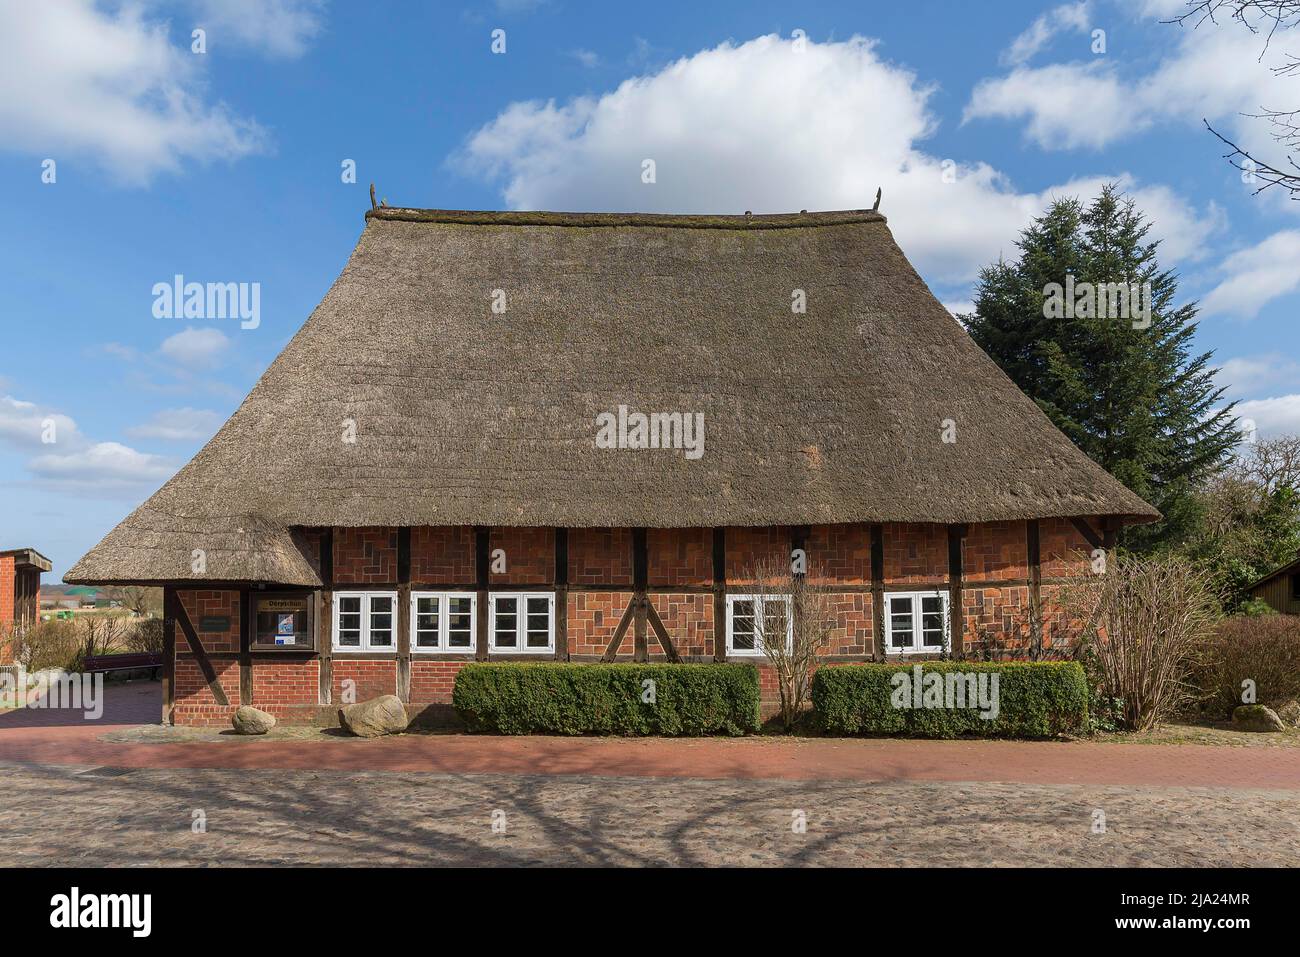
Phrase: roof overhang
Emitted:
{"points": [[29, 558]]}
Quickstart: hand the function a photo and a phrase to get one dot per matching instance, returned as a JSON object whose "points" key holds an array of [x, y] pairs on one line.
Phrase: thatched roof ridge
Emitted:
{"points": [[464, 416]]}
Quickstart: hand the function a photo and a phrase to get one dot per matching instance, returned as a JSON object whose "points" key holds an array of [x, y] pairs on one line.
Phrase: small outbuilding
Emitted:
{"points": [[1280, 588]]}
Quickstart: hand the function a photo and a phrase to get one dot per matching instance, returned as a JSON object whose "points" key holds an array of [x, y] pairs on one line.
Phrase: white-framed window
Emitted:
{"points": [[365, 621], [521, 622], [443, 622], [916, 622], [754, 620]]}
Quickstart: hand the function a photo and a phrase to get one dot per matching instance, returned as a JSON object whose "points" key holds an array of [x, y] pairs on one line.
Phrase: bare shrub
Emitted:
{"points": [[51, 644], [811, 626], [1148, 619], [144, 634], [1264, 650]]}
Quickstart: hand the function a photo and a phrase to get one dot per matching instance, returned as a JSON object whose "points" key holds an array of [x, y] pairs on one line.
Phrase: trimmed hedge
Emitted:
{"points": [[1035, 700], [560, 698]]}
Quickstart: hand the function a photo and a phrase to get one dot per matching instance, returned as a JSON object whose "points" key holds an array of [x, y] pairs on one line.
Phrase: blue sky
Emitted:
{"points": [[225, 166]]}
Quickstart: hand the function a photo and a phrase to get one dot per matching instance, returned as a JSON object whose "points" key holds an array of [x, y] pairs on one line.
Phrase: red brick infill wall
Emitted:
{"points": [[1000, 596]]}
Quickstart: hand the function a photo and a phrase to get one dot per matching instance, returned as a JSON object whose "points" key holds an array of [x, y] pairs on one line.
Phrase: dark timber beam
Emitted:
{"points": [[482, 567], [611, 650], [719, 594], [878, 589], [561, 594], [665, 641], [169, 656], [640, 578], [956, 613], [403, 613], [1088, 532], [1032, 537], [325, 619], [182, 619], [245, 646]]}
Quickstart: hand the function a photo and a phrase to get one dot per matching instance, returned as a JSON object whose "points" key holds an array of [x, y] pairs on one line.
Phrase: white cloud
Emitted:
{"points": [[278, 28], [196, 348], [178, 425], [1247, 375], [104, 462], [1279, 415], [67, 459], [1069, 16], [785, 131], [1212, 72], [28, 424], [76, 80], [1256, 276], [586, 57]]}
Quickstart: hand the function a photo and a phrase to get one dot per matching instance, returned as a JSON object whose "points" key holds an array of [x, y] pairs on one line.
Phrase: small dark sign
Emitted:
{"points": [[214, 623]]}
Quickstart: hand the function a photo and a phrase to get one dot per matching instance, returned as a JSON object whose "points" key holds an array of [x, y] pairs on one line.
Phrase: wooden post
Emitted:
{"points": [[640, 579], [561, 594], [325, 619], [719, 594], [403, 613], [956, 613], [245, 646], [482, 568], [878, 589], [169, 654], [1035, 583]]}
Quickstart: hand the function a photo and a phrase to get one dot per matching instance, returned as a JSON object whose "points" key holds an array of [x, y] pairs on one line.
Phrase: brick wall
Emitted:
{"points": [[207, 602], [529, 555], [995, 597], [432, 681], [7, 589], [443, 556], [365, 556], [688, 619], [593, 619], [371, 678], [915, 553], [600, 556], [839, 554], [281, 687], [679, 556], [194, 702]]}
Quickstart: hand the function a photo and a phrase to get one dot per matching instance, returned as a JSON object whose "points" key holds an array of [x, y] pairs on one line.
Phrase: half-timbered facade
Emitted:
{"points": [[421, 479]]}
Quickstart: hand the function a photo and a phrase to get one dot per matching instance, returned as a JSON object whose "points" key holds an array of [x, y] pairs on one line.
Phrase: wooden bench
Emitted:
{"points": [[133, 661]]}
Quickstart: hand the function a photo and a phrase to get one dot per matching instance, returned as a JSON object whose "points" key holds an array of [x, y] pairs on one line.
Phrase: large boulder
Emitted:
{"points": [[249, 720], [1256, 717], [1289, 712], [369, 719]]}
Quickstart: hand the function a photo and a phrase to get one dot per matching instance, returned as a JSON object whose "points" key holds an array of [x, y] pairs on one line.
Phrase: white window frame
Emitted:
{"points": [[444, 622], [918, 634], [366, 597], [521, 623], [760, 618]]}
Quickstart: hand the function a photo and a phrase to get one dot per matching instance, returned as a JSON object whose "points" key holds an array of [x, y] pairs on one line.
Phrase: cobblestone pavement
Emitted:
{"points": [[91, 817]]}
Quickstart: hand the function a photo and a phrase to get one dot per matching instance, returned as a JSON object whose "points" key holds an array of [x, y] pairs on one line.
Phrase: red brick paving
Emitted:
{"points": [[37, 737]]}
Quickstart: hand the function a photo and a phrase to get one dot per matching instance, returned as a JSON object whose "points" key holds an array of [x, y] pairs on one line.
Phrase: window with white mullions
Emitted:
{"points": [[755, 620], [522, 622], [365, 621], [442, 622], [916, 622]]}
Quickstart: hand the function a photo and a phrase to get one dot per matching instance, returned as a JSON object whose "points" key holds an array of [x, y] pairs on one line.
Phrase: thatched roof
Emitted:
{"points": [[464, 416]]}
